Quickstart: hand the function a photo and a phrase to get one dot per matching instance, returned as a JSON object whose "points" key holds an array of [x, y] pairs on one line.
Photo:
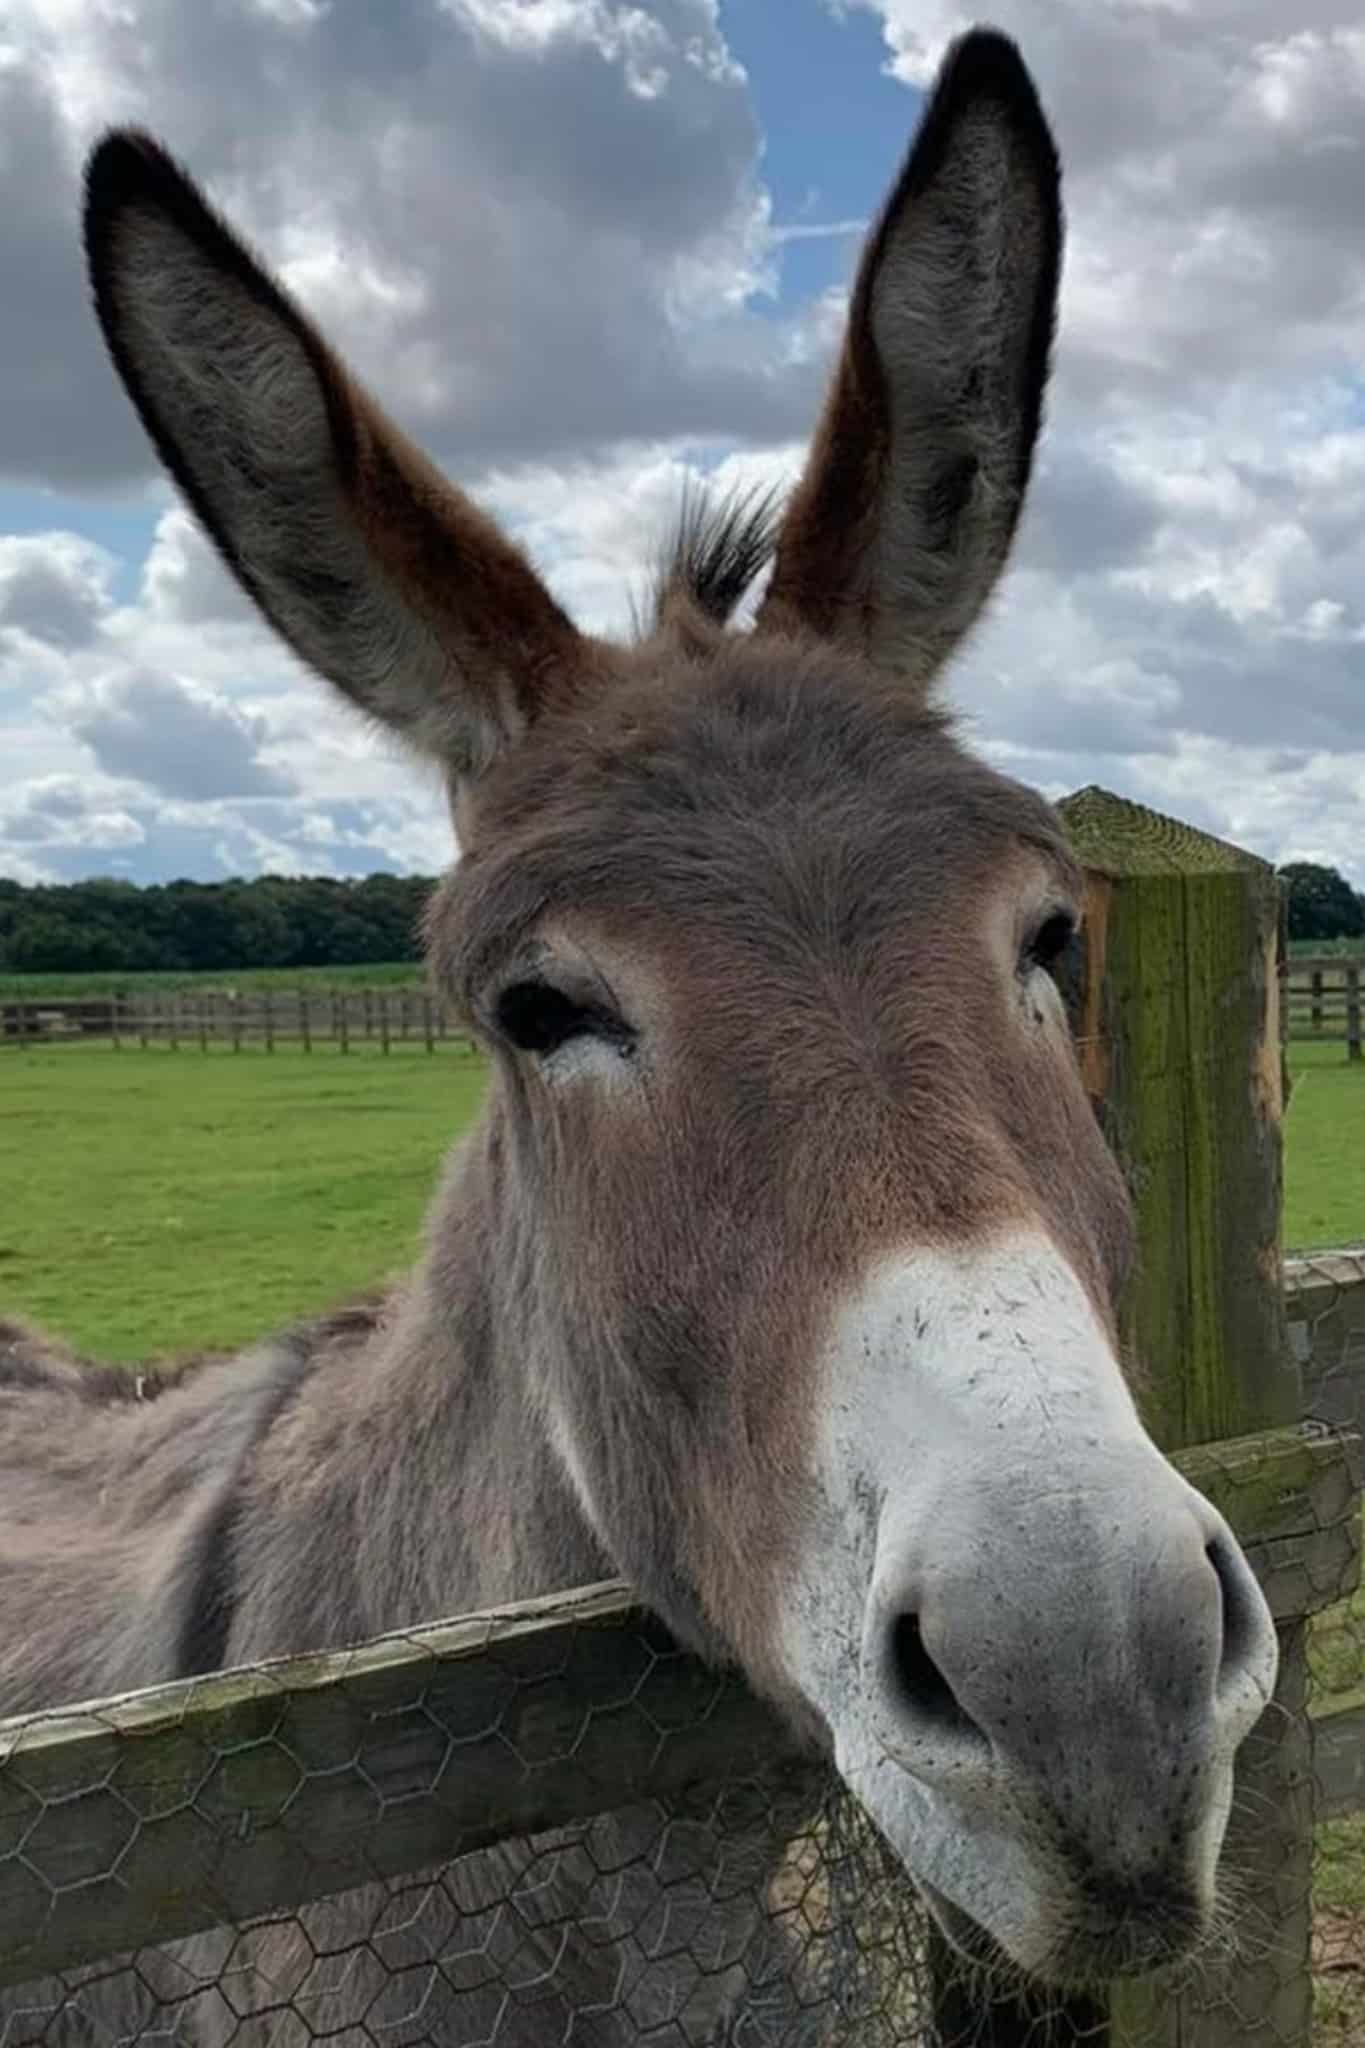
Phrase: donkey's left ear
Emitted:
{"points": [[904, 516], [364, 559]]}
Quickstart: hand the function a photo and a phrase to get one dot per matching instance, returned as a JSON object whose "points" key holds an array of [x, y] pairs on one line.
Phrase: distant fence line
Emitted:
{"points": [[1322, 1005], [232, 1018], [1322, 1001]]}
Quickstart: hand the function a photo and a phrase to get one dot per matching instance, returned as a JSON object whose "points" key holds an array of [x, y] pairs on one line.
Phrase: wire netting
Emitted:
{"points": [[1326, 1303], [753, 1903]]}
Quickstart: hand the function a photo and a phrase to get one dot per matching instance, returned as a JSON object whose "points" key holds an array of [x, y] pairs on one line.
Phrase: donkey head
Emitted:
{"points": [[813, 1242]]}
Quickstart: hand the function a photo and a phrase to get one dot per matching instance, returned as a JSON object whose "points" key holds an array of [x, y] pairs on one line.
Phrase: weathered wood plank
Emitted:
{"points": [[1325, 1303], [1179, 1008], [1339, 1759], [1178, 1011], [132, 1820], [1281, 1482], [185, 1806]]}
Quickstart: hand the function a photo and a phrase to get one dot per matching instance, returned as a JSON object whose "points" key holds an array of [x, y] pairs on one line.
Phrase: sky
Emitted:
{"points": [[586, 251]]}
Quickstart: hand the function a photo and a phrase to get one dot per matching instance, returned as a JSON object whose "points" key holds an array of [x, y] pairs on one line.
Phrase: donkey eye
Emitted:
{"points": [[1051, 941], [538, 1017]]}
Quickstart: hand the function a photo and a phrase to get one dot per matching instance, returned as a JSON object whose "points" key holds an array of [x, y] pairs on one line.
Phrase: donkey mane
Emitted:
{"points": [[720, 545]]}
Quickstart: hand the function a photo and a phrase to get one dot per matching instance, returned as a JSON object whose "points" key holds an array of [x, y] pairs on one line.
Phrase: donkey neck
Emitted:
{"points": [[500, 1520]]}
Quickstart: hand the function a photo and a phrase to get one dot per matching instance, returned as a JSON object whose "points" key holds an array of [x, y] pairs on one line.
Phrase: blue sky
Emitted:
{"points": [[584, 250]]}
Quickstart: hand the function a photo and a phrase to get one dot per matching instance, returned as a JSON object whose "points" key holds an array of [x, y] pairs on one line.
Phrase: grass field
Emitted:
{"points": [[151, 1202], [1324, 1197], [37, 988]]}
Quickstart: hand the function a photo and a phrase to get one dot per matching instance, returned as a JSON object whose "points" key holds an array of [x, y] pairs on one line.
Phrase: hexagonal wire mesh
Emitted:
{"points": [[1326, 1302], [744, 1899], [552, 1827]]}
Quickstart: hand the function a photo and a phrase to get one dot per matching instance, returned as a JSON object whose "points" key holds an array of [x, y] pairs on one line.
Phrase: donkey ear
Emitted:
{"points": [[902, 521], [370, 565]]}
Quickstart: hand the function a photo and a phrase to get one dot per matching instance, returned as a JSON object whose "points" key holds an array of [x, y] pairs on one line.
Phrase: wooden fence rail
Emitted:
{"points": [[227, 1019], [1322, 1001], [130, 1821], [1325, 1300], [1322, 1005]]}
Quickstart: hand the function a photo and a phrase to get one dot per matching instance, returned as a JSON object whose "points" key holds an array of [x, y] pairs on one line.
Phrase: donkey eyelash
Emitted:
{"points": [[1051, 940], [537, 1016]]}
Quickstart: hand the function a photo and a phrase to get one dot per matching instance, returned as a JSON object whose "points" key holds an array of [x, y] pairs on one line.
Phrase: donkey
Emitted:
{"points": [[780, 1274]]}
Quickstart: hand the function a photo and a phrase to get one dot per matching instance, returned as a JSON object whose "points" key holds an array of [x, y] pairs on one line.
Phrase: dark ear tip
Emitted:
{"points": [[985, 63], [123, 165], [984, 56], [128, 168]]}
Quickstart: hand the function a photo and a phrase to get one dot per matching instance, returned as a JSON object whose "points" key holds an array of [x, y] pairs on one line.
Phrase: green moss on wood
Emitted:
{"points": [[1118, 837]]}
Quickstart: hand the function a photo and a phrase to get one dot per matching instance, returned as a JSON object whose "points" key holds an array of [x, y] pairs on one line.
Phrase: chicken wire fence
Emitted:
{"points": [[1326, 1304], [552, 1827]]}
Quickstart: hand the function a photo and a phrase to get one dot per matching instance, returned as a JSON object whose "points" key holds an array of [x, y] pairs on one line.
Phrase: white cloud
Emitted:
{"points": [[54, 589], [539, 227], [536, 227], [177, 737]]}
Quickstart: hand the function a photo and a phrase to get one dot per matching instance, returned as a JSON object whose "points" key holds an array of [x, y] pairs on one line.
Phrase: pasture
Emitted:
{"points": [[159, 1202], [1324, 1149], [37, 988]]}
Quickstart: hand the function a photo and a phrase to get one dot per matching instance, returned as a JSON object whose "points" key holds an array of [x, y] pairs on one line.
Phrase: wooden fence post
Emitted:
{"points": [[1353, 1045], [1177, 1019]]}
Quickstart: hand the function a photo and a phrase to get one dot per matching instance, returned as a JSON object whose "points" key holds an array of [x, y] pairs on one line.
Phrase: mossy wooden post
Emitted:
{"points": [[1177, 1017]]}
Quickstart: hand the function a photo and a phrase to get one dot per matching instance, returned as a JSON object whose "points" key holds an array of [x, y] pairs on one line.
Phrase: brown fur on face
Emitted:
{"points": [[784, 868]]}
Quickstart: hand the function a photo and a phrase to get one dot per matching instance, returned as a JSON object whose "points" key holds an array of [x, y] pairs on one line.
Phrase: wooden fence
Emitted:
{"points": [[1322, 1001], [207, 1020], [216, 1799], [1321, 1004], [128, 1822]]}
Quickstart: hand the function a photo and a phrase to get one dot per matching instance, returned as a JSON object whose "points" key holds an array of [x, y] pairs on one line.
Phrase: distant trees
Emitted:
{"points": [[1321, 902], [274, 921], [315, 921]]}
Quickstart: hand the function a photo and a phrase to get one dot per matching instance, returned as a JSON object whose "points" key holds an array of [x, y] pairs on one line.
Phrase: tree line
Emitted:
{"points": [[316, 921], [1321, 902], [181, 927]]}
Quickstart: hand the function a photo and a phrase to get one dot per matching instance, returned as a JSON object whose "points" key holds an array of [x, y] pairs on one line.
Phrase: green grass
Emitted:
{"points": [[1324, 1196], [156, 1202], [152, 1202], [35, 988]]}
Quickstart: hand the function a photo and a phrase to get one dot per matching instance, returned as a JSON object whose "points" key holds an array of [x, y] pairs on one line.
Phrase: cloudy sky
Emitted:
{"points": [[583, 247]]}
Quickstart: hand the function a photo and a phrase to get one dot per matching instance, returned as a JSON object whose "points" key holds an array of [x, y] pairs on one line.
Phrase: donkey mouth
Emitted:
{"points": [[1090, 1945]]}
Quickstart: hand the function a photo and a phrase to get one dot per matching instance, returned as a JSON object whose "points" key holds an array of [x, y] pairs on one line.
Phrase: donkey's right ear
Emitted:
{"points": [[360, 554]]}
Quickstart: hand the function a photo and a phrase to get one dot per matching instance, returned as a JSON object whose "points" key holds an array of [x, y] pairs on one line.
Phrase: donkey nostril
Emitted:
{"points": [[1238, 1612], [920, 1682]]}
